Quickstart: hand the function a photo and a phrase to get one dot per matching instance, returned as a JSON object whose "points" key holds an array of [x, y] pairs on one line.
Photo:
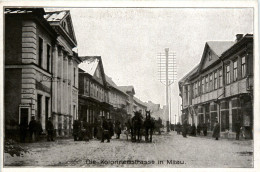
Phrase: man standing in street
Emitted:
{"points": [[105, 130], [184, 128], [216, 130], [32, 129], [111, 128], [49, 128]]}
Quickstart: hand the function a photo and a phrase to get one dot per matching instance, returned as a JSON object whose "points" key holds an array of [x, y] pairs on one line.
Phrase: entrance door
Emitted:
{"points": [[24, 115]]}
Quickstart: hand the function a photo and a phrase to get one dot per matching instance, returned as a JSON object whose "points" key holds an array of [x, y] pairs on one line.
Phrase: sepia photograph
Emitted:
{"points": [[128, 87]]}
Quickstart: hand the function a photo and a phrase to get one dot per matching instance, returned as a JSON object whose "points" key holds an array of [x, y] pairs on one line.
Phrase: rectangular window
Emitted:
{"points": [[74, 76], [203, 85], [199, 88], [39, 106], [207, 84], [210, 82], [243, 66], [235, 70], [48, 58], [40, 49], [220, 78], [227, 74], [215, 80]]}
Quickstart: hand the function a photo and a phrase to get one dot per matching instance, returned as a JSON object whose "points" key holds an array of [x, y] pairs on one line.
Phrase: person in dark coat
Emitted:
{"points": [[216, 130], [105, 130], [23, 130], [76, 129], [178, 128], [118, 129], [32, 128], [205, 129], [193, 130], [184, 128], [237, 129], [111, 128], [50, 129], [198, 129]]}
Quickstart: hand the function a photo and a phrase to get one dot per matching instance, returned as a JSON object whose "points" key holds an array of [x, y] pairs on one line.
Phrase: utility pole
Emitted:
{"points": [[167, 76], [170, 105]]}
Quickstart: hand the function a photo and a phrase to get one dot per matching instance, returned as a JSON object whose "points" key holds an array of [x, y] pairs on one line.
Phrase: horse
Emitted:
{"points": [[137, 123], [149, 125]]}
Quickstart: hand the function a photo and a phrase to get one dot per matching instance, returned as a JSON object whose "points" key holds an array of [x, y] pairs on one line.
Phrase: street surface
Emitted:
{"points": [[180, 152]]}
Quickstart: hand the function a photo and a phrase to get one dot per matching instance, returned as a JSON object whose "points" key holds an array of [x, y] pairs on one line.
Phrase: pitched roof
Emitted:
{"points": [[55, 15], [89, 64], [127, 88], [111, 83], [138, 101], [220, 46]]}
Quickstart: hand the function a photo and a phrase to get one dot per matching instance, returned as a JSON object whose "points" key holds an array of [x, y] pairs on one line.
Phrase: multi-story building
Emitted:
{"points": [[140, 106], [93, 90], [221, 87], [119, 101], [29, 42], [65, 72], [131, 92], [40, 68]]}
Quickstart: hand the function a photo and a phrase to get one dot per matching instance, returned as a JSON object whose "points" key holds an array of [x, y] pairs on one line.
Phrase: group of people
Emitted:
{"points": [[192, 130], [35, 130], [102, 129]]}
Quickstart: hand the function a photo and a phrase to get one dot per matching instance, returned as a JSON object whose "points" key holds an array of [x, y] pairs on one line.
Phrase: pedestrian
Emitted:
{"points": [[198, 129], [118, 129], [23, 130], [193, 130], [184, 128], [32, 129], [105, 130], [76, 128], [178, 128], [216, 130], [205, 129], [111, 128], [237, 129], [50, 129]]}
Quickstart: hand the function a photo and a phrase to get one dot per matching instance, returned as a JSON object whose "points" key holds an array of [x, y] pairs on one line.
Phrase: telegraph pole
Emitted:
{"points": [[167, 75], [170, 105]]}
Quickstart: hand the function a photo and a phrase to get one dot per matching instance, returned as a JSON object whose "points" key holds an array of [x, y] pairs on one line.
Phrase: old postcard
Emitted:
{"points": [[134, 85]]}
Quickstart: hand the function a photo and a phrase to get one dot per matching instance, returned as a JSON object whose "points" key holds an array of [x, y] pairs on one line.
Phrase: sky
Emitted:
{"points": [[129, 39]]}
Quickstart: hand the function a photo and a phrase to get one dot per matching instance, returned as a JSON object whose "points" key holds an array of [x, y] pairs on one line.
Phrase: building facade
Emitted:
{"points": [[221, 87], [65, 72], [140, 106], [40, 67], [29, 42], [93, 90], [130, 91], [120, 102]]}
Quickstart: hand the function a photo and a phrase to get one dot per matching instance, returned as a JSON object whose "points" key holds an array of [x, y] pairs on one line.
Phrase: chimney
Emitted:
{"points": [[239, 37]]}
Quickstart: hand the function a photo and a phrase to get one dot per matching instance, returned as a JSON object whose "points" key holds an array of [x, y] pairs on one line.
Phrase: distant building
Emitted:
{"points": [[93, 90], [221, 87], [131, 92], [139, 106], [152, 106], [119, 101]]}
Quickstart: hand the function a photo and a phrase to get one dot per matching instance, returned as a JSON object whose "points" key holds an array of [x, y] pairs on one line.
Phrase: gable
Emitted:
{"points": [[209, 58], [66, 24], [99, 74]]}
